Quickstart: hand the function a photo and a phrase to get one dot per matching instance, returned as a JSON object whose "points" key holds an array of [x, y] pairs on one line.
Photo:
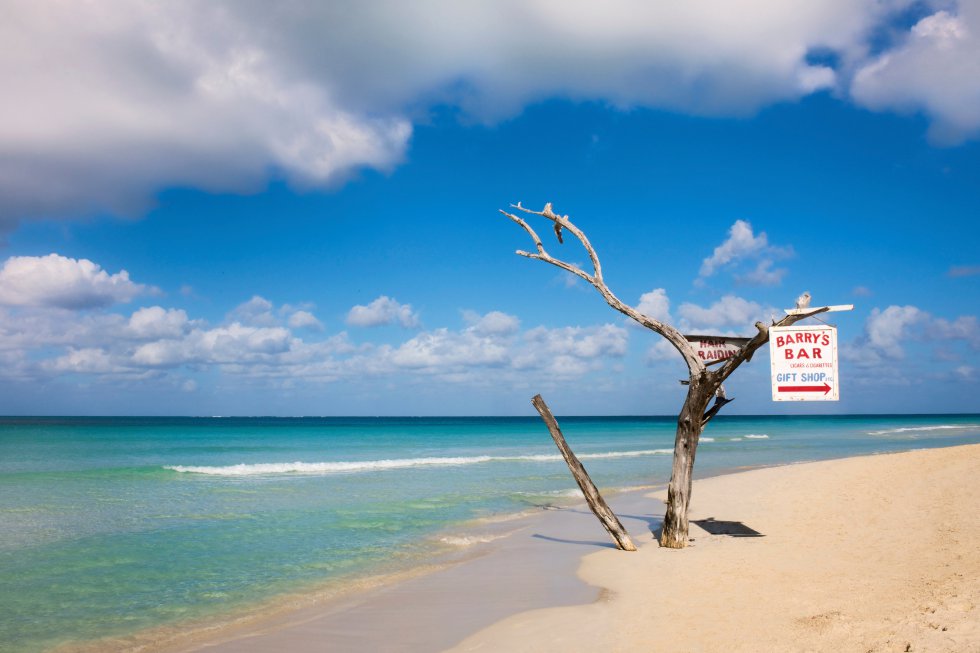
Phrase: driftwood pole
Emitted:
{"points": [[598, 505], [703, 384]]}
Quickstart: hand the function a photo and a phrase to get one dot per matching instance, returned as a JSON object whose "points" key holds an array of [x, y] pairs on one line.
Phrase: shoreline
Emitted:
{"points": [[547, 550], [870, 553], [482, 543]]}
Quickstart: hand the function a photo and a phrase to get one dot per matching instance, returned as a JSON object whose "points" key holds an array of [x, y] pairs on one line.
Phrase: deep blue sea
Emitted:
{"points": [[109, 526]]}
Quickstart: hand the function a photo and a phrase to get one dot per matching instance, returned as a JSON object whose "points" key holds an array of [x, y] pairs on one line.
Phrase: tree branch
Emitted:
{"points": [[762, 337], [694, 365]]}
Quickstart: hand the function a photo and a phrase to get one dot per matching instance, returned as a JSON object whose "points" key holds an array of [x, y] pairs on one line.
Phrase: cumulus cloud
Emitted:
{"points": [[256, 312], [85, 361], [493, 323], [231, 344], [889, 332], [886, 330], [728, 312], [58, 281], [116, 100], [743, 244], [383, 310], [655, 304], [156, 322], [107, 103], [934, 71], [563, 351], [304, 320], [165, 344]]}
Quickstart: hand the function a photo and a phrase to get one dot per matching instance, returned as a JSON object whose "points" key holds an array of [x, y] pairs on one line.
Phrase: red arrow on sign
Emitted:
{"points": [[805, 388]]}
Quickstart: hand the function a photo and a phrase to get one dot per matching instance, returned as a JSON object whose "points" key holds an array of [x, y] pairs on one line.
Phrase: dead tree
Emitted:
{"points": [[703, 384], [597, 504]]}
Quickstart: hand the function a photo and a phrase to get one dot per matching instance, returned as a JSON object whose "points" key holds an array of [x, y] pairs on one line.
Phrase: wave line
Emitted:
{"points": [[322, 468]]}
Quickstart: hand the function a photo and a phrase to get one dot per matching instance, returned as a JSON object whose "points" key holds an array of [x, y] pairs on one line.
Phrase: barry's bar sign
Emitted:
{"points": [[712, 349]]}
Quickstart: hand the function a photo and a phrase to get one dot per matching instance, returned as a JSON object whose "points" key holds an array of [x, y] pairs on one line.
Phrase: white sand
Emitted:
{"points": [[877, 553]]}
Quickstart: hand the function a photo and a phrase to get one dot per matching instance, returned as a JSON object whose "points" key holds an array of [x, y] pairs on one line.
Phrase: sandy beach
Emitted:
{"points": [[875, 553]]}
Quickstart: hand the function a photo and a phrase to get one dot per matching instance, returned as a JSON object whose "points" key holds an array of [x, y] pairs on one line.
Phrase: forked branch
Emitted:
{"points": [[680, 343], [762, 337]]}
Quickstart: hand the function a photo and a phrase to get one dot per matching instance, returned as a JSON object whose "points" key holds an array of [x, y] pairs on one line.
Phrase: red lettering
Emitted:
{"points": [[803, 354], [816, 352], [788, 353]]}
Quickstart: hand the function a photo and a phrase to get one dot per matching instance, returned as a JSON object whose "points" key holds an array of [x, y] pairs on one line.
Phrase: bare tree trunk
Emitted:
{"points": [[703, 382], [598, 505], [689, 427]]}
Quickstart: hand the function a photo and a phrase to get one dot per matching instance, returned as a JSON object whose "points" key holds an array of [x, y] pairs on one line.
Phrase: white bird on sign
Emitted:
{"points": [[803, 301]]}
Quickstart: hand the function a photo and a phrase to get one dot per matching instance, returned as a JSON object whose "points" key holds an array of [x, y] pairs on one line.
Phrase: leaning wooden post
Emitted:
{"points": [[598, 505]]}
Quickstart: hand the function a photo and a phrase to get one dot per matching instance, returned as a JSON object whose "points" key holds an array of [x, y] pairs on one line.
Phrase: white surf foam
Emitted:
{"points": [[265, 469], [915, 429], [325, 468], [757, 436], [463, 541]]}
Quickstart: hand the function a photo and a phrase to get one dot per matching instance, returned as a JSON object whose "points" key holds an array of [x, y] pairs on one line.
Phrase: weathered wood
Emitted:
{"points": [[703, 382], [598, 505]]}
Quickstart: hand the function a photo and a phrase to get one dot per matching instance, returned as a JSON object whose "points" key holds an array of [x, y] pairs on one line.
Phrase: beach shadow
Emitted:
{"points": [[605, 545], [652, 521], [729, 528]]}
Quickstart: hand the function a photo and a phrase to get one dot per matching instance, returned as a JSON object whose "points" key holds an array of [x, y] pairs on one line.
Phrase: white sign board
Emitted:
{"points": [[804, 363], [716, 348]]}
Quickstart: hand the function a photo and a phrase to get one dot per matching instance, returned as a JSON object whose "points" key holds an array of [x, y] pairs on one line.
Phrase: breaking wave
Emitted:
{"points": [[265, 469], [757, 436], [914, 429]]}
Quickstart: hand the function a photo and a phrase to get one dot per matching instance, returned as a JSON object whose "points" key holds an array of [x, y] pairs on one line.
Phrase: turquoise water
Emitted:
{"points": [[113, 525]]}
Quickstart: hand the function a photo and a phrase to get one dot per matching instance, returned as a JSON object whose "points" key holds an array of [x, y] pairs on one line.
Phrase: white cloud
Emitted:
{"points": [[579, 342], [255, 312], [742, 244], [443, 348], [231, 344], [934, 71], [493, 323], [85, 361], [729, 311], [383, 310], [888, 329], [107, 103], [117, 99], [165, 345], [763, 274], [62, 282], [561, 351], [304, 320], [965, 328], [655, 304], [889, 332], [157, 322]]}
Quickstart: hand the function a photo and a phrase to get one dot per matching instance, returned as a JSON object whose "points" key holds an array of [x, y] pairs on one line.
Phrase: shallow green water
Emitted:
{"points": [[112, 525]]}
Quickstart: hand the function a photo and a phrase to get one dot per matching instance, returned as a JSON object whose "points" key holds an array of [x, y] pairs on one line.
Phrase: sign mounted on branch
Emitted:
{"points": [[804, 363], [712, 349]]}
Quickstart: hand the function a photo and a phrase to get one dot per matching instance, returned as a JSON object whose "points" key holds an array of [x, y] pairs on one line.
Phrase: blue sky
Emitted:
{"points": [[243, 211]]}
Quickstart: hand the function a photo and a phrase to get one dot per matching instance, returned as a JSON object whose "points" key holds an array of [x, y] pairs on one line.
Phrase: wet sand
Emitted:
{"points": [[876, 553]]}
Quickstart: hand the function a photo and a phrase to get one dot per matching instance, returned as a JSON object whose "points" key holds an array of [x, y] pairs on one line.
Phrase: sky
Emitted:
{"points": [[237, 208]]}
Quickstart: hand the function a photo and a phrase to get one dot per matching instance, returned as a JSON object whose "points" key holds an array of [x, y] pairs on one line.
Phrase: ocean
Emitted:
{"points": [[113, 526]]}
